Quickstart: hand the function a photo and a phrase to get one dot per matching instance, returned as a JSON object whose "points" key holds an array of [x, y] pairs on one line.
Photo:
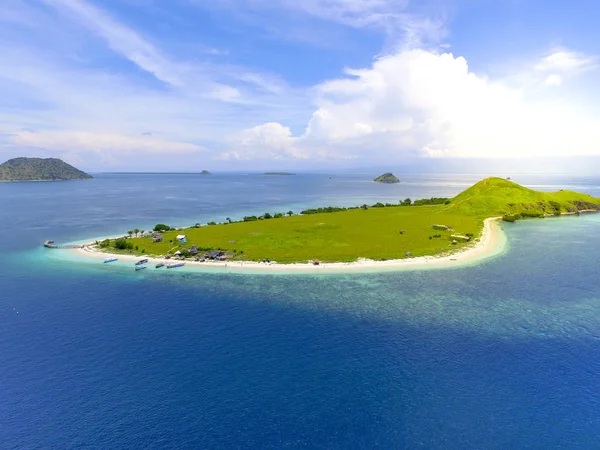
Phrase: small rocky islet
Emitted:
{"points": [[387, 178]]}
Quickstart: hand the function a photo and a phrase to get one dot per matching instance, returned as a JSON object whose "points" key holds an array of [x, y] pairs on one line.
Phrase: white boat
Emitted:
{"points": [[109, 260], [141, 261], [174, 265]]}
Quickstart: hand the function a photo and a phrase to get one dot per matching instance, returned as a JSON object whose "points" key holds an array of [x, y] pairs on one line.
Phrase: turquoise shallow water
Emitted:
{"points": [[502, 354]]}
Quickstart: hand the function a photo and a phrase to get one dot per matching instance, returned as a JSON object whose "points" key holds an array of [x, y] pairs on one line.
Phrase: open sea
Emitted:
{"points": [[503, 354]]}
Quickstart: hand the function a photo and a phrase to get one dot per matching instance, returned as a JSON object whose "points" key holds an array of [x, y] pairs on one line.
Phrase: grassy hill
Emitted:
{"points": [[497, 196], [378, 232], [39, 169]]}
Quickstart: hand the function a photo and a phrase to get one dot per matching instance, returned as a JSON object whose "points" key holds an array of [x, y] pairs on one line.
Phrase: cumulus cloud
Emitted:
{"points": [[421, 103], [268, 141]]}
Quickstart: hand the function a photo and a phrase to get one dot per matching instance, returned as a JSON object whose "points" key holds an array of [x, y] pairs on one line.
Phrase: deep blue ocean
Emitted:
{"points": [[503, 354]]}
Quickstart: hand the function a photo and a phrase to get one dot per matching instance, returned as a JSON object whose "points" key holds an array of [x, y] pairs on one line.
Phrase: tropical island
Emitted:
{"points": [[279, 173], [40, 169], [205, 172], [387, 178], [440, 227]]}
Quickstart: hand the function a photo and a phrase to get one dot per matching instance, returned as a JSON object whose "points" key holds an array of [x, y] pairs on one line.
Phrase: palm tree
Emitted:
{"points": [[142, 232], [136, 231], [228, 220], [130, 232]]}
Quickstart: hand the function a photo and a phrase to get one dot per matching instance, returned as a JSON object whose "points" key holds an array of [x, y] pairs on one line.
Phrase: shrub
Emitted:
{"points": [[555, 205], [212, 223], [123, 244], [161, 227], [278, 215], [267, 216], [105, 243], [406, 202], [431, 201], [250, 219], [509, 218], [378, 205]]}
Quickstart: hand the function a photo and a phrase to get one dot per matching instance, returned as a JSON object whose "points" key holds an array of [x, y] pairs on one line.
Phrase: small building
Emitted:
{"points": [[215, 254], [158, 239], [182, 238], [193, 250]]}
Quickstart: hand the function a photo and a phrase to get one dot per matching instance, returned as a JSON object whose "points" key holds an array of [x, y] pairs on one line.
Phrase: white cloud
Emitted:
{"points": [[564, 61], [553, 80], [82, 141], [422, 103], [268, 141]]}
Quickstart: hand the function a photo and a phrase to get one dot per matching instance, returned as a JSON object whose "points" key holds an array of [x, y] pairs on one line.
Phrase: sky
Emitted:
{"points": [[186, 85]]}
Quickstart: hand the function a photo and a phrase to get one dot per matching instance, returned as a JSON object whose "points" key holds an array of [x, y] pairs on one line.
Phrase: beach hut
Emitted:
{"points": [[316, 262], [215, 254], [182, 238]]}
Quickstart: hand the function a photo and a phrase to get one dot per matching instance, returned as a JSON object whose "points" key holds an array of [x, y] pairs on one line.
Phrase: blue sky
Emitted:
{"points": [[249, 84]]}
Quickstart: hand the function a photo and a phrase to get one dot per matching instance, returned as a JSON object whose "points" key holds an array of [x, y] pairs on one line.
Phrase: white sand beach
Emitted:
{"points": [[491, 242]]}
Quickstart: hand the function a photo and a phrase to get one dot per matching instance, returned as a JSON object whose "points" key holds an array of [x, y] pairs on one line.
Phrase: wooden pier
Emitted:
{"points": [[52, 244]]}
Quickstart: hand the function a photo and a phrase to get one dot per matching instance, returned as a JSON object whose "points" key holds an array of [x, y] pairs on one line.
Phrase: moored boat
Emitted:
{"points": [[174, 265], [109, 260], [141, 261], [159, 265], [140, 268]]}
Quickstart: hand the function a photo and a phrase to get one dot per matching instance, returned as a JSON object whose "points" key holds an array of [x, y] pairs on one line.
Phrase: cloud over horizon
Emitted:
{"points": [[100, 83]]}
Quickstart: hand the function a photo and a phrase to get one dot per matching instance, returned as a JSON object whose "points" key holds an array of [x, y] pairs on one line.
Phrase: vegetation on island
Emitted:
{"points": [[205, 172], [388, 178], [279, 173], [40, 169], [379, 231]]}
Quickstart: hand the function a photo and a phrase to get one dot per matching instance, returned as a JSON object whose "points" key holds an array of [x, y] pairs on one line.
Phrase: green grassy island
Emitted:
{"points": [[380, 232]]}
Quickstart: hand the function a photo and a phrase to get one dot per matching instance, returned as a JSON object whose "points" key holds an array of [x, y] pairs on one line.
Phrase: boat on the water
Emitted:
{"points": [[140, 268], [174, 265], [109, 260], [142, 261], [159, 265]]}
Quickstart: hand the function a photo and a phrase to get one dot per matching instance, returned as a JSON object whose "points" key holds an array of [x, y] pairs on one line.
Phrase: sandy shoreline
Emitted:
{"points": [[490, 243]]}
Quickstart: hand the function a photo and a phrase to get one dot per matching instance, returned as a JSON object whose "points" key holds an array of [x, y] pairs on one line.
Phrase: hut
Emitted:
{"points": [[316, 262], [158, 238], [182, 238], [215, 254]]}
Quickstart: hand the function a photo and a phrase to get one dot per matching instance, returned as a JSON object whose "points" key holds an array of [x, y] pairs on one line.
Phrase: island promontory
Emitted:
{"points": [[279, 173], [388, 178], [40, 169], [205, 172]]}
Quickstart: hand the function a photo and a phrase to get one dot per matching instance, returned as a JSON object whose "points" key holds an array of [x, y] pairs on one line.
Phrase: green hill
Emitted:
{"points": [[39, 169], [497, 196]]}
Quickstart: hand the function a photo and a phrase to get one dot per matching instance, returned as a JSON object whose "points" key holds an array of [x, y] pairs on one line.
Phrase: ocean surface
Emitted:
{"points": [[504, 354]]}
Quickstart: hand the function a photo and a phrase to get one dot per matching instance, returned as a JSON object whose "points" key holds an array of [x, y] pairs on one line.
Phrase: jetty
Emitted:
{"points": [[52, 244]]}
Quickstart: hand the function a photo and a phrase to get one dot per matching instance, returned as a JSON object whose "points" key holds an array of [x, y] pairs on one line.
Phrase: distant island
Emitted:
{"points": [[406, 229], [278, 173], [205, 172], [388, 178], [40, 169]]}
